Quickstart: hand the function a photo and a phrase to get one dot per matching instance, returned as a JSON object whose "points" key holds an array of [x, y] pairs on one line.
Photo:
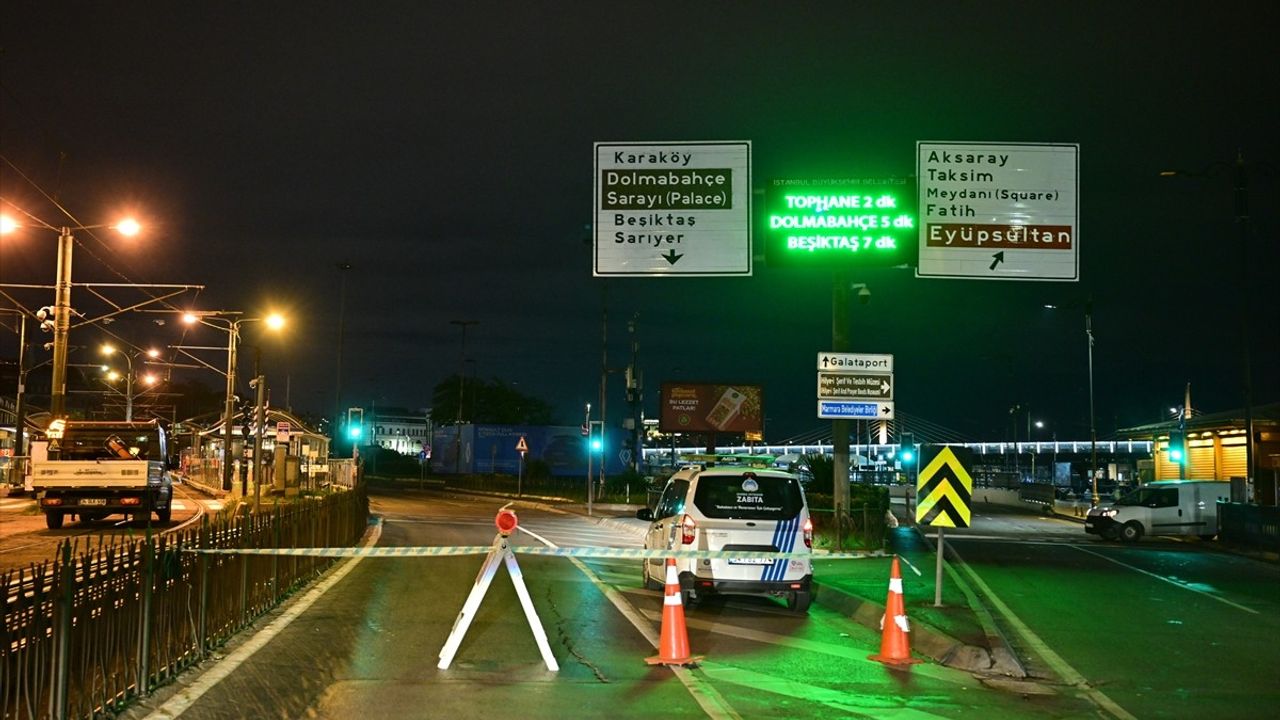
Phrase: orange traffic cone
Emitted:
{"points": [[673, 647], [895, 645]]}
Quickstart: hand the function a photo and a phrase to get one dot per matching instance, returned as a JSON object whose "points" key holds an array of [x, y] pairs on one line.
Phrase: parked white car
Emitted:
{"points": [[733, 508]]}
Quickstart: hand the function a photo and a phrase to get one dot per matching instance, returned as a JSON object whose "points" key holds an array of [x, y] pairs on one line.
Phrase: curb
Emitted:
{"points": [[999, 657], [925, 639]]}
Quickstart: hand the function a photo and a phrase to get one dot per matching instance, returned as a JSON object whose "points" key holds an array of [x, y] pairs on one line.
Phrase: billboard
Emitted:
{"points": [[703, 407]]}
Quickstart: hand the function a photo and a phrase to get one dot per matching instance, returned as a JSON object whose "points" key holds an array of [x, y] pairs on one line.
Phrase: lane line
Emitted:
{"points": [[1174, 583], [1064, 669], [707, 697], [183, 700]]}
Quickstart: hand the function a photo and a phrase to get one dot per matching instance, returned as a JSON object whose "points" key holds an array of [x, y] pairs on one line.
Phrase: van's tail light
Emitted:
{"points": [[687, 528], [808, 533]]}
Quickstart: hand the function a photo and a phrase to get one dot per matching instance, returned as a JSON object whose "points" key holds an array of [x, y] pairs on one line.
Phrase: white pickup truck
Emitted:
{"points": [[105, 468]]}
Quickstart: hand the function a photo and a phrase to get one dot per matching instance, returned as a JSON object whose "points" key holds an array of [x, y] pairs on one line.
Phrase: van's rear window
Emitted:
{"points": [[748, 496]]}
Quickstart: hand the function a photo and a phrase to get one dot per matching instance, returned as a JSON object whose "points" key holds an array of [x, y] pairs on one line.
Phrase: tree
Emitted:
{"points": [[488, 401]]}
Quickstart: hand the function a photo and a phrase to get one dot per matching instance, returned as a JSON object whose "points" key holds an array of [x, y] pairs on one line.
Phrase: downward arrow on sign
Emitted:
{"points": [[672, 257]]}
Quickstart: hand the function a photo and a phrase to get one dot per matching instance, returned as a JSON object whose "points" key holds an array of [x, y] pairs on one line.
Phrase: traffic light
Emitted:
{"points": [[908, 456], [1177, 447], [596, 444], [355, 423]]}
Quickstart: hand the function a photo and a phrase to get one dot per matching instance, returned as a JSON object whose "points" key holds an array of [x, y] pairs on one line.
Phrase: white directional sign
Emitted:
{"points": [[855, 386], [672, 209], [999, 211], [841, 385], [854, 410], [855, 362]]}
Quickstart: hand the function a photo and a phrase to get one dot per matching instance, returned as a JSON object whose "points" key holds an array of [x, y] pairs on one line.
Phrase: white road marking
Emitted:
{"points": [[183, 700], [1064, 669], [1175, 583], [711, 701]]}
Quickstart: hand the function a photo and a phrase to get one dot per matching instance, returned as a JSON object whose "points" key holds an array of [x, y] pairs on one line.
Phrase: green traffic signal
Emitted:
{"points": [[908, 457], [353, 432], [596, 445]]}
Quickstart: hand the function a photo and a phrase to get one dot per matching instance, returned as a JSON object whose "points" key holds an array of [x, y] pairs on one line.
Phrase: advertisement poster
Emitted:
{"points": [[704, 407]]}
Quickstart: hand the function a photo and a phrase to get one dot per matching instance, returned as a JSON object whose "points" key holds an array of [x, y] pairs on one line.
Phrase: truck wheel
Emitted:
{"points": [[1131, 532], [165, 515], [53, 520]]}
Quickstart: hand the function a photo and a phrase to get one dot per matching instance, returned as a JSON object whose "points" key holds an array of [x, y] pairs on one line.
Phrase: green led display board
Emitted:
{"points": [[843, 222]]}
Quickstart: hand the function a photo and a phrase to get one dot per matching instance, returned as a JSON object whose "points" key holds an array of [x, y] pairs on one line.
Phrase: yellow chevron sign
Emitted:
{"points": [[944, 489]]}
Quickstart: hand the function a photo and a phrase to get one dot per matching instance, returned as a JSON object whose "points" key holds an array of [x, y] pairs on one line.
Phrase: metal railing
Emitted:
{"points": [[1254, 526], [99, 625]]}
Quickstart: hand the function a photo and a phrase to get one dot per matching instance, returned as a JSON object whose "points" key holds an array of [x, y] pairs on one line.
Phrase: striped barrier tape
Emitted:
{"points": [[578, 552]]}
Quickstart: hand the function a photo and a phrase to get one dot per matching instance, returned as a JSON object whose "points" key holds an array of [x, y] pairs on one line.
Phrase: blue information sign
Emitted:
{"points": [[838, 409]]}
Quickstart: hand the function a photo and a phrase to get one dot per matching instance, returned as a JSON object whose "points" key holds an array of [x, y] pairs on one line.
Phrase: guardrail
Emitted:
{"points": [[100, 625]]}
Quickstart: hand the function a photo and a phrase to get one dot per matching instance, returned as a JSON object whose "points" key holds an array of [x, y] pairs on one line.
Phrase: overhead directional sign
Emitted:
{"points": [[672, 209], [840, 222], [838, 385], [999, 211], [854, 410], [944, 487]]}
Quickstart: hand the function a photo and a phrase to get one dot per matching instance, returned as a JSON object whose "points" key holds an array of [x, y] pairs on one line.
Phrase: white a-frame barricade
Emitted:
{"points": [[498, 554]]}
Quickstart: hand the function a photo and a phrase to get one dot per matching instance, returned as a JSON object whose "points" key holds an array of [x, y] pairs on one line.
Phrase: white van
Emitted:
{"points": [[1166, 507], [733, 508]]}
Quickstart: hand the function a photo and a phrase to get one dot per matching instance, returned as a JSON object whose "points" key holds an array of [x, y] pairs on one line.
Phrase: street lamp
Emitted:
{"points": [[62, 299], [231, 326], [148, 379]]}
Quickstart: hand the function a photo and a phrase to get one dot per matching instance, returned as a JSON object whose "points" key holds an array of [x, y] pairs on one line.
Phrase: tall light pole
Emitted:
{"points": [[1240, 171], [62, 301], [343, 268], [462, 373], [108, 350], [1093, 427], [231, 326]]}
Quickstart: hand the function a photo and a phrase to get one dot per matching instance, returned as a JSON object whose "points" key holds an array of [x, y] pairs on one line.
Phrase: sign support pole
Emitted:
{"points": [[937, 580], [840, 427]]}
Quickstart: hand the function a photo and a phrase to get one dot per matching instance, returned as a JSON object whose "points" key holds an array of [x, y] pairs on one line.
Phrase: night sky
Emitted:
{"points": [[444, 150]]}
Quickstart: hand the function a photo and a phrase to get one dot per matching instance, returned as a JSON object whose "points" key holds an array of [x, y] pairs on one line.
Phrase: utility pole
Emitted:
{"points": [[61, 325], [260, 418]]}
